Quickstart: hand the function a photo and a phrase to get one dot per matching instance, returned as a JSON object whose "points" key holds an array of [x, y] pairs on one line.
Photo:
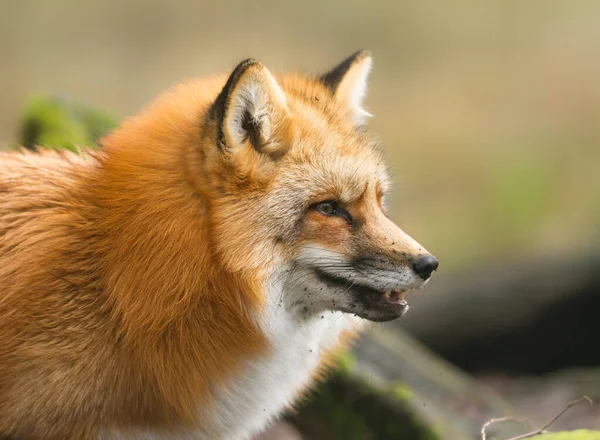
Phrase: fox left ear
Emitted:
{"points": [[348, 83], [251, 111]]}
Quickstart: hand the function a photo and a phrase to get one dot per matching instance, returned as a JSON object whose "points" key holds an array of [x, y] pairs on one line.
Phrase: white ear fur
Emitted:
{"points": [[353, 89], [348, 82], [255, 102]]}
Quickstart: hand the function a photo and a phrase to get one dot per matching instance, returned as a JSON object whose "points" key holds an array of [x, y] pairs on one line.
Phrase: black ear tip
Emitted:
{"points": [[247, 63], [333, 78], [242, 68], [361, 54]]}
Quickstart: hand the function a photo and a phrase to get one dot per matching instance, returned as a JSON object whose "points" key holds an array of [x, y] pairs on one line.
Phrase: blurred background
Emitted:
{"points": [[489, 114]]}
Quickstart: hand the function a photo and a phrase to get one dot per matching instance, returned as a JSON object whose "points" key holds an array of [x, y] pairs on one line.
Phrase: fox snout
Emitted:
{"points": [[417, 268], [384, 246], [372, 282]]}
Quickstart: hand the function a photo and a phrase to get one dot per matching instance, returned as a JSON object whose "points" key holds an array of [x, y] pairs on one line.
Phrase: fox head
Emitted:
{"points": [[293, 181], [281, 179]]}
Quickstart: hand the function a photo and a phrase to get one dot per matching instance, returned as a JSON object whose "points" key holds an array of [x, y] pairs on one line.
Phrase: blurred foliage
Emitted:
{"points": [[60, 123], [519, 194]]}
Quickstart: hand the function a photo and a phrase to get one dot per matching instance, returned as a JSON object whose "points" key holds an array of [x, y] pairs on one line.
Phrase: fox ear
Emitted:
{"points": [[348, 83], [252, 109]]}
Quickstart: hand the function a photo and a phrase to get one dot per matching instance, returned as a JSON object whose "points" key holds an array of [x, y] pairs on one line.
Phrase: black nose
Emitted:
{"points": [[425, 265]]}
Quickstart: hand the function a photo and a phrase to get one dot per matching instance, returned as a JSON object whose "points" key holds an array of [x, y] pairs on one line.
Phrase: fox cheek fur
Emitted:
{"points": [[194, 276]]}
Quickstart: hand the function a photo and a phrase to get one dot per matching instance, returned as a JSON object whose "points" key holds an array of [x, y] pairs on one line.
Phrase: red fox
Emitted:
{"points": [[191, 278]]}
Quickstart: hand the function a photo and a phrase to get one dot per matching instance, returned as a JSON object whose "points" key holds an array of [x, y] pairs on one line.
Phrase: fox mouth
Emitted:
{"points": [[368, 302]]}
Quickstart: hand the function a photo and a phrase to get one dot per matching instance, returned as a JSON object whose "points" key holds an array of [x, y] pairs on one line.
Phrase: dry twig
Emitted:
{"points": [[500, 419], [541, 429]]}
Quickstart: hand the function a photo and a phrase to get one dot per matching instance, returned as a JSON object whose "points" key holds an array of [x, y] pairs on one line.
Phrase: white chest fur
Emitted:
{"points": [[268, 385]]}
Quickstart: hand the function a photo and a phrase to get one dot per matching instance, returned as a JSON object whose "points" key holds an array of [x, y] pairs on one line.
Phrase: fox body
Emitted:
{"points": [[191, 279]]}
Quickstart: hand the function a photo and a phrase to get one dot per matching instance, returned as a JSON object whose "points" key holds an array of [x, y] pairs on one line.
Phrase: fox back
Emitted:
{"points": [[194, 276]]}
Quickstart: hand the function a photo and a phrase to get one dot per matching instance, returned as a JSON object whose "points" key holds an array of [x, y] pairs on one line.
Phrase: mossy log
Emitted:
{"points": [[390, 387]]}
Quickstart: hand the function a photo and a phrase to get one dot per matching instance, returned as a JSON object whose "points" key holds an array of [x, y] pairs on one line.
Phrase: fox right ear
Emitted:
{"points": [[251, 110], [348, 83]]}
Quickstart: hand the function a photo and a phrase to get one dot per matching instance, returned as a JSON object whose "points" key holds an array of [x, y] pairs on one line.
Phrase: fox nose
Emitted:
{"points": [[425, 265]]}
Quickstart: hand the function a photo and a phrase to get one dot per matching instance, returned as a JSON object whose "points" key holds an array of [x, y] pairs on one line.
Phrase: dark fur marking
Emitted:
{"points": [[252, 128], [332, 79], [218, 110]]}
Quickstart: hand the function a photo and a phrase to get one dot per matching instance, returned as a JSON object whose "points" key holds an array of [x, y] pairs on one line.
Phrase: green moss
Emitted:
{"points": [[572, 435], [59, 123], [402, 392], [345, 362], [345, 408]]}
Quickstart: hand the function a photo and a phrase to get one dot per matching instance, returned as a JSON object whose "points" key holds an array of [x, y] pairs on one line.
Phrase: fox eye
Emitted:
{"points": [[331, 208], [326, 208]]}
